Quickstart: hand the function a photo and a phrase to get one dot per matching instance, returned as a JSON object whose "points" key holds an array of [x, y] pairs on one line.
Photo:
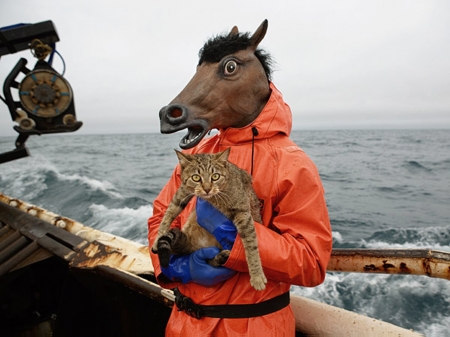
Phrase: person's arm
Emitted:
{"points": [[296, 247], [159, 208]]}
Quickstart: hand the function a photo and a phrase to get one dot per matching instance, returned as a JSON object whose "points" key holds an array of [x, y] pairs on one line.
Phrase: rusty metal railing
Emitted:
{"points": [[427, 262], [128, 255]]}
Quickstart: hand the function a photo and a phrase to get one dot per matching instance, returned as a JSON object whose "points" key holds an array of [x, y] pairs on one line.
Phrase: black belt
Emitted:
{"points": [[198, 311]]}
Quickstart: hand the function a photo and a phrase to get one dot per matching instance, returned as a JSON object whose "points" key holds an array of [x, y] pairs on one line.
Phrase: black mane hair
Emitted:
{"points": [[221, 45]]}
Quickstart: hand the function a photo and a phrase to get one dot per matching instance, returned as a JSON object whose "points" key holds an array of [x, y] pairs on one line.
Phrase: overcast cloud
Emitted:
{"points": [[339, 64]]}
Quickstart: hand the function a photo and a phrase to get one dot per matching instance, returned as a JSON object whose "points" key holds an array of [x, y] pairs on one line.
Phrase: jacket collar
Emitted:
{"points": [[276, 117]]}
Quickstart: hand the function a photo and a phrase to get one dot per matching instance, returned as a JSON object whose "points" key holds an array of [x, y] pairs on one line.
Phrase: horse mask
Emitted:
{"points": [[229, 89]]}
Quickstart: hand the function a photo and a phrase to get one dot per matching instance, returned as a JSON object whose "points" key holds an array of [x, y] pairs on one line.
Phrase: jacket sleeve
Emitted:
{"points": [[295, 246], [159, 207]]}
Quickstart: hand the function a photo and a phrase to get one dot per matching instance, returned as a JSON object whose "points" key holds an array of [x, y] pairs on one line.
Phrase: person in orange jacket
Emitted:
{"points": [[294, 238]]}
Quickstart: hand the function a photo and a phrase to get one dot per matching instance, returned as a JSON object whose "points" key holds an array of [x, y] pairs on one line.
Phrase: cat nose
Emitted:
{"points": [[206, 188]]}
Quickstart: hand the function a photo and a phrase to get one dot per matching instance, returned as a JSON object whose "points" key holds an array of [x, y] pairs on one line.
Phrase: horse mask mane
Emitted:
{"points": [[220, 46]]}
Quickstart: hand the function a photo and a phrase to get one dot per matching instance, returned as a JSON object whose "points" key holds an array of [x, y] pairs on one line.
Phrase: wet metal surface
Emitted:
{"points": [[26, 229], [101, 248], [392, 261]]}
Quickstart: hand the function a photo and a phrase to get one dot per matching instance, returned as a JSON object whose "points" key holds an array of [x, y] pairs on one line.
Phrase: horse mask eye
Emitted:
{"points": [[230, 67]]}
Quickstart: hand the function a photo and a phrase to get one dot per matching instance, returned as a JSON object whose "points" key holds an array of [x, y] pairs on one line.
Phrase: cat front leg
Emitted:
{"points": [[173, 242], [163, 229], [176, 206], [246, 229]]}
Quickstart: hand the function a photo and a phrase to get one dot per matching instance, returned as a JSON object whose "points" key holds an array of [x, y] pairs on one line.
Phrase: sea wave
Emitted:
{"points": [[436, 237], [94, 184], [126, 222], [390, 298], [31, 180], [415, 166], [438, 326], [26, 181]]}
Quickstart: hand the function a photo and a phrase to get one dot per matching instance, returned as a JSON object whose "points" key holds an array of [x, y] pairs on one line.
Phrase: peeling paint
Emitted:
{"points": [[387, 265], [426, 266], [371, 267], [404, 268]]}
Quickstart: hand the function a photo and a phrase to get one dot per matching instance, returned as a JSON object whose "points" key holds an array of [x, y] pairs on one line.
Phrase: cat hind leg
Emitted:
{"points": [[220, 259]]}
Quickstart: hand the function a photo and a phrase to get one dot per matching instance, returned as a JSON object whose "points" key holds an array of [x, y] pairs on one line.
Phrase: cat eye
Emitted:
{"points": [[215, 177], [196, 178]]}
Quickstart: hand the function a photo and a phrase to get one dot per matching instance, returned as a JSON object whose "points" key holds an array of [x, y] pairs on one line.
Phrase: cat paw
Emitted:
{"points": [[220, 258], [155, 247], [258, 282], [164, 257], [223, 256], [178, 241], [163, 249]]}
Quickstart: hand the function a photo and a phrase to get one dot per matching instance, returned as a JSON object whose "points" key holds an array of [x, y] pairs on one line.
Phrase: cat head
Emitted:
{"points": [[205, 174]]}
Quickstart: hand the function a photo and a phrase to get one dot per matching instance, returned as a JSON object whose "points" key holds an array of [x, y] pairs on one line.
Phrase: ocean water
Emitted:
{"points": [[384, 189]]}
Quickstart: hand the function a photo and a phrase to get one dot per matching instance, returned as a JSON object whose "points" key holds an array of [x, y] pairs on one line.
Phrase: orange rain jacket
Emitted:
{"points": [[294, 240]]}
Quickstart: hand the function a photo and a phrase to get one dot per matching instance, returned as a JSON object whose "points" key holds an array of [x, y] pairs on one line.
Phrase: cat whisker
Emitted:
{"points": [[224, 196]]}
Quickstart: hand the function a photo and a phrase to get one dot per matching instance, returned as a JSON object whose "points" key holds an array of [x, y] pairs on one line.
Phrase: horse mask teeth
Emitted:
{"points": [[193, 136]]}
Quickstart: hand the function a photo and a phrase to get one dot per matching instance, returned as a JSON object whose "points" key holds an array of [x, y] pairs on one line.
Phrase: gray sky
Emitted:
{"points": [[339, 64]]}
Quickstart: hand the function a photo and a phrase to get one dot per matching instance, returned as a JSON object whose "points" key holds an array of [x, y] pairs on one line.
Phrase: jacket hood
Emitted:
{"points": [[275, 118]]}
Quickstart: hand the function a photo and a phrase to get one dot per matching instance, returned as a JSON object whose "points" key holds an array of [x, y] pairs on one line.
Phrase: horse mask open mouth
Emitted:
{"points": [[176, 117], [194, 135]]}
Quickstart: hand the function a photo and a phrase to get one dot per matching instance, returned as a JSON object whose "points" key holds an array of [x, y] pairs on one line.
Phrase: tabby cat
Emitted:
{"points": [[229, 189]]}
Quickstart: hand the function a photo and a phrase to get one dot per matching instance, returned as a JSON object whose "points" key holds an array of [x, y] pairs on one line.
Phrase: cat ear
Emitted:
{"points": [[223, 156], [182, 158]]}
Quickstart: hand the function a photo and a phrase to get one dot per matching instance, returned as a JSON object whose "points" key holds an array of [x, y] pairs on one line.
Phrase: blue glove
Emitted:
{"points": [[195, 268], [216, 223]]}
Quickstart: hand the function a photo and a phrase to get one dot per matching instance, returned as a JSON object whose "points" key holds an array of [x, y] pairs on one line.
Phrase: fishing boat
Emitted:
{"points": [[70, 280], [59, 277]]}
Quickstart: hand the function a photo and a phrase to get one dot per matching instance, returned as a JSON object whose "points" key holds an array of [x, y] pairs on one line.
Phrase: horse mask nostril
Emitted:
{"points": [[176, 113]]}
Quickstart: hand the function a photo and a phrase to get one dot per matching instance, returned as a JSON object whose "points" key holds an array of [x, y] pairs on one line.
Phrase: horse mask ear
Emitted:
{"points": [[234, 31], [259, 34]]}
